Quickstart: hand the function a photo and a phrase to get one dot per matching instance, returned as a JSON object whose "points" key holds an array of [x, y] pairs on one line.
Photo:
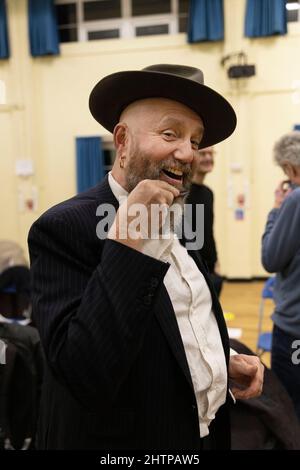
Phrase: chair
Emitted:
{"points": [[264, 340]]}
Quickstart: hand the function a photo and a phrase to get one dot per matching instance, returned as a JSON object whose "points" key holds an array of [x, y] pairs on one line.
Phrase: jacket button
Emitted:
{"points": [[154, 282], [147, 299]]}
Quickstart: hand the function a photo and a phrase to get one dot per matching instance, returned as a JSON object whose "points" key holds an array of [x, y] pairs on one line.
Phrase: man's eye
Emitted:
{"points": [[195, 144], [169, 134]]}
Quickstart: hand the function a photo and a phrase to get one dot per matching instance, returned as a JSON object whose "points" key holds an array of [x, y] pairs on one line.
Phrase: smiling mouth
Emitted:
{"points": [[174, 174], [175, 177]]}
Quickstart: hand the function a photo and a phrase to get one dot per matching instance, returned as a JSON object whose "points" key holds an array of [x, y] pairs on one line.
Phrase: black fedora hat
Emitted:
{"points": [[181, 83]]}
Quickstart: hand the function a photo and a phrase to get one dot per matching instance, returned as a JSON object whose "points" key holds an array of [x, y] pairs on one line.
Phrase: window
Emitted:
{"points": [[104, 34], [183, 12], [155, 29], [87, 20], [101, 10], [67, 21], [68, 34], [150, 7], [293, 10]]}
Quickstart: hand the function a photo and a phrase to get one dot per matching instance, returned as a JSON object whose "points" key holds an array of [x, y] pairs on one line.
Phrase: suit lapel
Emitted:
{"points": [[167, 319]]}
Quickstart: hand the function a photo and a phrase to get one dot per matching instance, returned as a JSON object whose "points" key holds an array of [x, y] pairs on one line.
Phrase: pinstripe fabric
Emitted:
{"points": [[117, 373]]}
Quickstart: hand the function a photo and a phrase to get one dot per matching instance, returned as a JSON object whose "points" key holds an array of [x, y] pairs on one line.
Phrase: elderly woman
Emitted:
{"points": [[281, 254]]}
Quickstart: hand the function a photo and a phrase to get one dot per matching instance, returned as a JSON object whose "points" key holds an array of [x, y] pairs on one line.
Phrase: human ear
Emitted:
{"points": [[288, 170], [120, 141], [120, 135]]}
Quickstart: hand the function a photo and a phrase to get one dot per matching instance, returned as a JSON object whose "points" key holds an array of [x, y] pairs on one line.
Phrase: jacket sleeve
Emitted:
{"points": [[281, 238], [91, 321]]}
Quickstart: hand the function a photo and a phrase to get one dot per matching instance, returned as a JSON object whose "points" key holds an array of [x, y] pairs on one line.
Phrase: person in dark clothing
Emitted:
{"points": [[21, 355], [201, 194], [14, 282], [281, 255], [21, 377], [135, 341]]}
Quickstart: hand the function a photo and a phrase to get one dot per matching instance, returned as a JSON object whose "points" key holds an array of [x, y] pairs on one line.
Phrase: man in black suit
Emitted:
{"points": [[135, 340], [201, 194]]}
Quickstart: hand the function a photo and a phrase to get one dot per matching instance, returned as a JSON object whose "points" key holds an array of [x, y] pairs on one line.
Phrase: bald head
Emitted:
{"points": [[149, 110]]}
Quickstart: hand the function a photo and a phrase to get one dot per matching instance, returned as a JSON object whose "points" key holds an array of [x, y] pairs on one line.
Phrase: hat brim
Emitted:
{"points": [[115, 92]]}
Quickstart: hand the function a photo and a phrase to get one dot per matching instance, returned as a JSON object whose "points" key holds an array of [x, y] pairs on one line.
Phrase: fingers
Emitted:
{"points": [[247, 373], [167, 186], [255, 387], [248, 369], [144, 213], [153, 192], [150, 192], [163, 191]]}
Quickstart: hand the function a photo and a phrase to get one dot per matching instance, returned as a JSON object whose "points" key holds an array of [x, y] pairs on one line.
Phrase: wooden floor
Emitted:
{"points": [[242, 300]]}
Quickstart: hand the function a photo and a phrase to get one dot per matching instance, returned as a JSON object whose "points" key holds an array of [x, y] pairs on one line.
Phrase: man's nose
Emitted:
{"points": [[184, 152]]}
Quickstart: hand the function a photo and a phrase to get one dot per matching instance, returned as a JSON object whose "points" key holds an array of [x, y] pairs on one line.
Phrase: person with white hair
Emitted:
{"points": [[281, 255]]}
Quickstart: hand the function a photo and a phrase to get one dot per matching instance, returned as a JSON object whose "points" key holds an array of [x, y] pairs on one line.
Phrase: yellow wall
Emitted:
{"points": [[47, 108]]}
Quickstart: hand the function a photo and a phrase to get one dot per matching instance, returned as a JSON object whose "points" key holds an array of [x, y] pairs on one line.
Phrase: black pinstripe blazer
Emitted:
{"points": [[117, 375]]}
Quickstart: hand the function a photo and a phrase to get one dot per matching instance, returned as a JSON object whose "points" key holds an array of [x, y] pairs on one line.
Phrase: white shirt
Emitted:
{"points": [[197, 324]]}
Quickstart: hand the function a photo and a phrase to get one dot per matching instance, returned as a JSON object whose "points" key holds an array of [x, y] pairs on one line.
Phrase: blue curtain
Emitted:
{"points": [[89, 162], [4, 47], [206, 21], [43, 31], [265, 18]]}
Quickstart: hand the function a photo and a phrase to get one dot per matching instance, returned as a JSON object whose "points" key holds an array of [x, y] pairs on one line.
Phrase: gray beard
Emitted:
{"points": [[141, 167]]}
